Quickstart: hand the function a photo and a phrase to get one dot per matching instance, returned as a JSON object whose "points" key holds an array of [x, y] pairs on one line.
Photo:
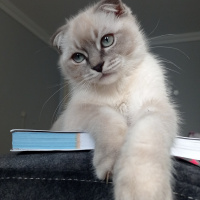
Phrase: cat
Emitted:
{"points": [[119, 95]]}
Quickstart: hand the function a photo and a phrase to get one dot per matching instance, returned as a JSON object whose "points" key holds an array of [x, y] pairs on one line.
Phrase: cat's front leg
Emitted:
{"points": [[143, 170], [107, 127]]}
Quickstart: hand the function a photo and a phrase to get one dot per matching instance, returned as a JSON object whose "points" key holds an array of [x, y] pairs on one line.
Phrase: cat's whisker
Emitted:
{"points": [[114, 60], [172, 70], [111, 67], [49, 99], [172, 63], [154, 28], [76, 87], [64, 99], [57, 108], [114, 64], [88, 76], [160, 36], [182, 52], [166, 61]]}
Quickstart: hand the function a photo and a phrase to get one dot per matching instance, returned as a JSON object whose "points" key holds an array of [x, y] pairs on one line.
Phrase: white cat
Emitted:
{"points": [[119, 95]]}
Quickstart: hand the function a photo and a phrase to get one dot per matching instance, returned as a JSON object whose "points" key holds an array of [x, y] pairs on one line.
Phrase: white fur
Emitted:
{"points": [[128, 113]]}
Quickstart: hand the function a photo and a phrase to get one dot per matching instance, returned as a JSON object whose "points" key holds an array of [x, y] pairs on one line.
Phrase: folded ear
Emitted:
{"points": [[113, 6], [56, 39]]}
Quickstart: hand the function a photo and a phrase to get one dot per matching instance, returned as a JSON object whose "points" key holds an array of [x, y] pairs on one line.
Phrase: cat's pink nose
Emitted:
{"points": [[98, 67]]}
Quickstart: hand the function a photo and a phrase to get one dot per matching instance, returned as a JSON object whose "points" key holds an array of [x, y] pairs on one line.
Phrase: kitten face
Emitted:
{"points": [[98, 44]]}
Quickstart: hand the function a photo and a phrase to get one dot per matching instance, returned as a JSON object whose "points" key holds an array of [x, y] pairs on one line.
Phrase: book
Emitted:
{"points": [[43, 140], [186, 148]]}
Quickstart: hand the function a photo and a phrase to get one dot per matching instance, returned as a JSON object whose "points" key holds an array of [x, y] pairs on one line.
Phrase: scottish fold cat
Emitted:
{"points": [[120, 96]]}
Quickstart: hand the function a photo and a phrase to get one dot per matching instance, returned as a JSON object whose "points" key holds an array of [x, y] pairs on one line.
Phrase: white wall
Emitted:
{"points": [[28, 76]]}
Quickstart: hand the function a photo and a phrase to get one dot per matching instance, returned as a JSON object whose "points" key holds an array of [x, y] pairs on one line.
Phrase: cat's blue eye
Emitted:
{"points": [[78, 57], [107, 40]]}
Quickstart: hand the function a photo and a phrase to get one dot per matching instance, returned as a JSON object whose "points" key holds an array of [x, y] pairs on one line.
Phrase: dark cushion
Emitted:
{"points": [[70, 176]]}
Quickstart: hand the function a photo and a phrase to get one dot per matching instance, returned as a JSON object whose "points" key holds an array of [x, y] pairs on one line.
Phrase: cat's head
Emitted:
{"points": [[100, 45]]}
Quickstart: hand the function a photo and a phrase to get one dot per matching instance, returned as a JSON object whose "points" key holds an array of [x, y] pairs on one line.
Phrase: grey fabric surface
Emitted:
{"points": [[70, 176]]}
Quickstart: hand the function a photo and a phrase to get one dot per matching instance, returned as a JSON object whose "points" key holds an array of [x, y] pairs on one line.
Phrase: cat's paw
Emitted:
{"points": [[104, 164]]}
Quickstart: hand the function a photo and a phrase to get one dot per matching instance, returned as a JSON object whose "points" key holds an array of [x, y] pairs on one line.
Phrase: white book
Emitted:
{"points": [[186, 147]]}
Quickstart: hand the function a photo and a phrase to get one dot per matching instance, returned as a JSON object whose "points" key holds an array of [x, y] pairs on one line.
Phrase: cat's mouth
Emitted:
{"points": [[107, 78], [106, 75]]}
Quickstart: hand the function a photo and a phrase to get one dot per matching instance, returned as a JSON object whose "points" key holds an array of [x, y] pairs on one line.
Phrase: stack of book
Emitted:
{"points": [[186, 148]]}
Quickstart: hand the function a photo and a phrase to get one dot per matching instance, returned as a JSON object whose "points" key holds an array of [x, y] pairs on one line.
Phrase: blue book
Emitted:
{"points": [[41, 140]]}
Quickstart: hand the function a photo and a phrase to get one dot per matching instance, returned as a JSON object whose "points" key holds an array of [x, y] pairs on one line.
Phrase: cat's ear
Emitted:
{"points": [[56, 39], [113, 6]]}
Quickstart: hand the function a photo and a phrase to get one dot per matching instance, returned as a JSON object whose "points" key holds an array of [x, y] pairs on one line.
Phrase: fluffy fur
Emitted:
{"points": [[119, 95]]}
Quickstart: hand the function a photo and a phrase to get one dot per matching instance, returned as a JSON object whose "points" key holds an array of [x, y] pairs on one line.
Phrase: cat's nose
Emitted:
{"points": [[98, 67]]}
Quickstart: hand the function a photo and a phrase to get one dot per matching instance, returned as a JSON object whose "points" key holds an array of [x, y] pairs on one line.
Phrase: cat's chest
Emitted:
{"points": [[122, 105], [119, 102]]}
